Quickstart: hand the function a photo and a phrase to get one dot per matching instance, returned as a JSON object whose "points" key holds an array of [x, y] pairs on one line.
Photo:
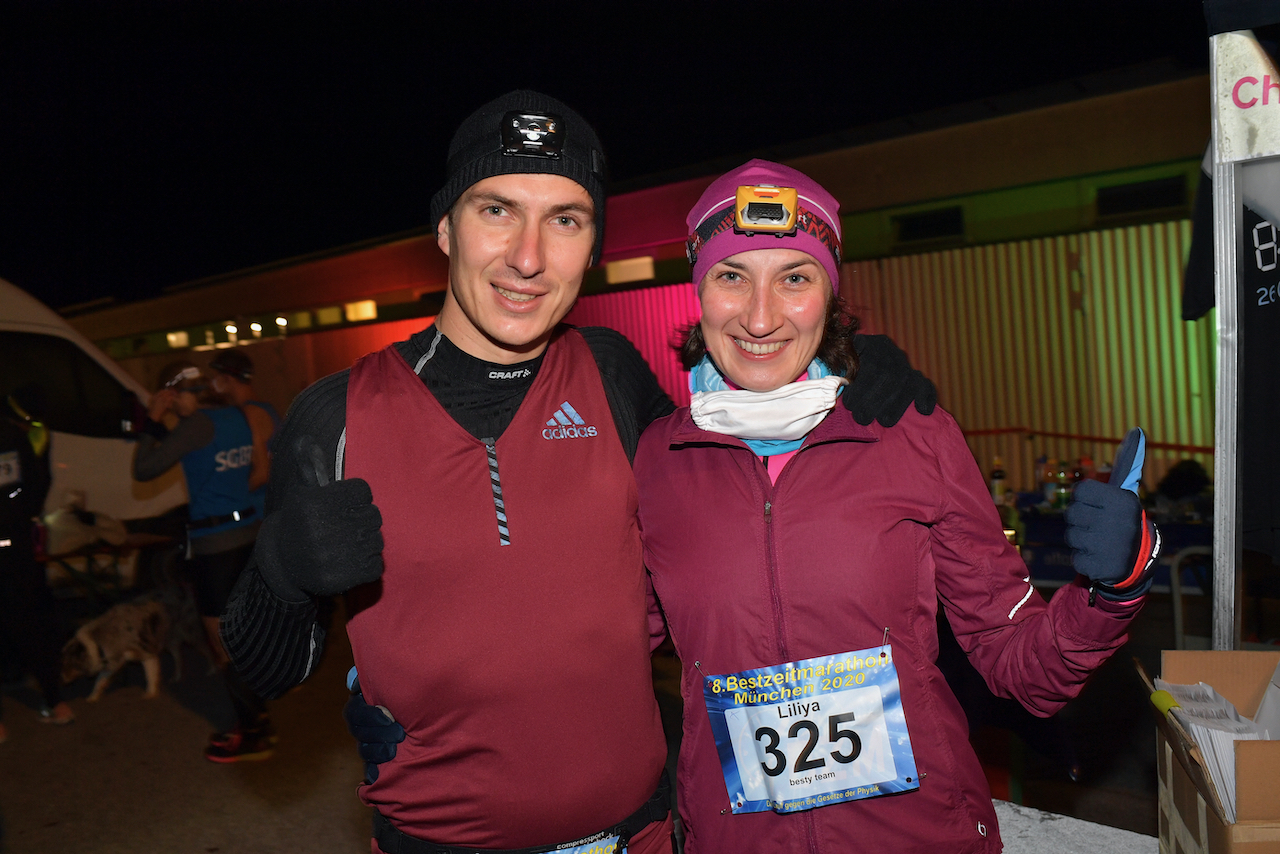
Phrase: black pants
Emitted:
{"points": [[213, 576]]}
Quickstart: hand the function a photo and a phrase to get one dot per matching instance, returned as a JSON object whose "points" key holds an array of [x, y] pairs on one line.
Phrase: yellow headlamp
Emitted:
{"points": [[763, 208]]}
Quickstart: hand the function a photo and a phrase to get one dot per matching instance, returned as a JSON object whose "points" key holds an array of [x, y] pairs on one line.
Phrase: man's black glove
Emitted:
{"points": [[375, 730], [1113, 543], [326, 537], [886, 384]]}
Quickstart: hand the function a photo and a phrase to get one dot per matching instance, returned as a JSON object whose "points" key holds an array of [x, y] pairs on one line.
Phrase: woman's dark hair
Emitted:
{"points": [[835, 350]]}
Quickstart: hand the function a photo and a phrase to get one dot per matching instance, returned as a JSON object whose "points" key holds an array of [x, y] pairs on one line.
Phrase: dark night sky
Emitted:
{"points": [[147, 144]]}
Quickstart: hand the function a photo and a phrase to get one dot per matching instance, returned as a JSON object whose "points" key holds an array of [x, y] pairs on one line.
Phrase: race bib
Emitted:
{"points": [[811, 733]]}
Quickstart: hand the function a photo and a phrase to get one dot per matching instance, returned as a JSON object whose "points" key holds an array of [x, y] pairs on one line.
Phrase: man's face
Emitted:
{"points": [[518, 247], [221, 383]]}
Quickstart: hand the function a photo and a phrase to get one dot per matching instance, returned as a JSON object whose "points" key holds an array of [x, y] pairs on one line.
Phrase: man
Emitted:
{"points": [[190, 425], [231, 372], [509, 627]]}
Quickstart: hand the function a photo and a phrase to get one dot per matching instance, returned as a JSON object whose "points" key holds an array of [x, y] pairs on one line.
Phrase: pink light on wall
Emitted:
{"points": [[642, 222], [650, 318]]}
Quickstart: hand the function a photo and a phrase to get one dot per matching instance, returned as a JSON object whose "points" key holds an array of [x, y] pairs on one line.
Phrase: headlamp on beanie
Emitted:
{"points": [[532, 135], [765, 209], [524, 132], [763, 198]]}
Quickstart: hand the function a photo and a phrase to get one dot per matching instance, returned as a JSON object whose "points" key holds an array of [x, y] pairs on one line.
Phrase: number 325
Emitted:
{"points": [[803, 763]]}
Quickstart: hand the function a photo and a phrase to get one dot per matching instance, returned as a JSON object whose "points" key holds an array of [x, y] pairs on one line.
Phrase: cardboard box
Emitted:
{"points": [[1191, 818]]}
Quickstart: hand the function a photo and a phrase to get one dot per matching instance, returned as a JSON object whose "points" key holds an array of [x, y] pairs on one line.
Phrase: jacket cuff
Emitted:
{"points": [[1139, 581]]}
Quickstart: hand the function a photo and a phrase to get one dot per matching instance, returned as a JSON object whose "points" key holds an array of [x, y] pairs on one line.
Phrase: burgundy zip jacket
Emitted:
{"points": [[865, 531]]}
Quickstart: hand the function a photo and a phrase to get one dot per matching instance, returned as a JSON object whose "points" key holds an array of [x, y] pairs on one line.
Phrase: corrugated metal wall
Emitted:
{"points": [[1054, 346]]}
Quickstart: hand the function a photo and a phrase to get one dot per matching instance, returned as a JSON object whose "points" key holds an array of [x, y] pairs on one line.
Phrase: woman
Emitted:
{"points": [[799, 557], [215, 446]]}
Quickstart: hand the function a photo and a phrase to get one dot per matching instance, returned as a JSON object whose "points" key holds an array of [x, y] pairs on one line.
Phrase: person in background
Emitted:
{"points": [[215, 445], [471, 487], [799, 559], [231, 372], [28, 620], [232, 376]]}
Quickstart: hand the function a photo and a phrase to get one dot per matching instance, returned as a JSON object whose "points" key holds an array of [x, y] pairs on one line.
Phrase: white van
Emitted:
{"points": [[93, 408]]}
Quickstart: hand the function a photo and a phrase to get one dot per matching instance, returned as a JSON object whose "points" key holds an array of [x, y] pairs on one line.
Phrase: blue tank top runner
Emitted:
{"points": [[218, 473]]}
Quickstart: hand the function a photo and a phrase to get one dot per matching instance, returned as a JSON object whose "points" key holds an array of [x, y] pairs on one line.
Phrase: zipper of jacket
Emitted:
{"points": [[775, 592], [770, 488], [495, 483], [775, 589]]}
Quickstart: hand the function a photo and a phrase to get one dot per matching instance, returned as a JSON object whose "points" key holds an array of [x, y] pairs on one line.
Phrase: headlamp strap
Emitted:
{"points": [[723, 220]]}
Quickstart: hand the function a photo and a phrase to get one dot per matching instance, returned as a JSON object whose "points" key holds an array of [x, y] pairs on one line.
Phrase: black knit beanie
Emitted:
{"points": [[523, 132]]}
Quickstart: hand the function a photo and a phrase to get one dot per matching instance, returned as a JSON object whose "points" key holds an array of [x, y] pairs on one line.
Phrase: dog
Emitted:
{"points": [[130, 631]]}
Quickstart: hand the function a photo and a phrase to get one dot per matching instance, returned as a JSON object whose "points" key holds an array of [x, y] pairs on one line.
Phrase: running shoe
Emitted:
{"points": [[59, 715], [240, 746], [264, 730]]}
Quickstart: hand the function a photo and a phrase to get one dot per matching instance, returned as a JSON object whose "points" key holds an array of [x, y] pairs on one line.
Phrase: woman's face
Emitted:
{"points": [[763, 314]]}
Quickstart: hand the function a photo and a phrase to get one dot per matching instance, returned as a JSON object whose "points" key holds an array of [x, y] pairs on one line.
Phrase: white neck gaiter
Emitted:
{"points": [[770, 422]]}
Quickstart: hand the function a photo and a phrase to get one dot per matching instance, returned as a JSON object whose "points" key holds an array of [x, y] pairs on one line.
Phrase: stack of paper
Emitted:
{"points": [[1215, 726]]}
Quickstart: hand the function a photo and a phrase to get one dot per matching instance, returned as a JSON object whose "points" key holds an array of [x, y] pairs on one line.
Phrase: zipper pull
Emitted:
{"points": [[768, 512]]}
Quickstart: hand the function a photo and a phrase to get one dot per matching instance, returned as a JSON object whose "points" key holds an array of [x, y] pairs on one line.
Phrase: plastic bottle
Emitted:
{"points": [[1061, 486], [1049, 481], [997, 480]]}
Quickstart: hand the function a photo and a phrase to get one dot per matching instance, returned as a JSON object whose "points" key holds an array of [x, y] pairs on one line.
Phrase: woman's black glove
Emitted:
{"points": [[1113, 543], [886, 384], [375, 730], [324, 539]]}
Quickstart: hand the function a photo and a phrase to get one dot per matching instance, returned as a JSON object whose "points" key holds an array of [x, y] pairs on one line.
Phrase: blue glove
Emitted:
{"points": [[1113, 543], [375, 730]]}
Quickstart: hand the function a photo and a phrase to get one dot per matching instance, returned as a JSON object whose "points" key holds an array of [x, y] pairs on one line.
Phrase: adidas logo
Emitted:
{"points": [[567, 424]]}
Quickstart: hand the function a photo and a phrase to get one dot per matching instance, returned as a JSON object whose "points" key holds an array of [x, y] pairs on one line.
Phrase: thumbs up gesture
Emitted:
{"points": [[1113, 543], [324, 538]]}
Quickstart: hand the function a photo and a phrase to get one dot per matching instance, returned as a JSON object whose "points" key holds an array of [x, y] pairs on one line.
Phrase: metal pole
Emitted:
{"points": [[1226, 484]]}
